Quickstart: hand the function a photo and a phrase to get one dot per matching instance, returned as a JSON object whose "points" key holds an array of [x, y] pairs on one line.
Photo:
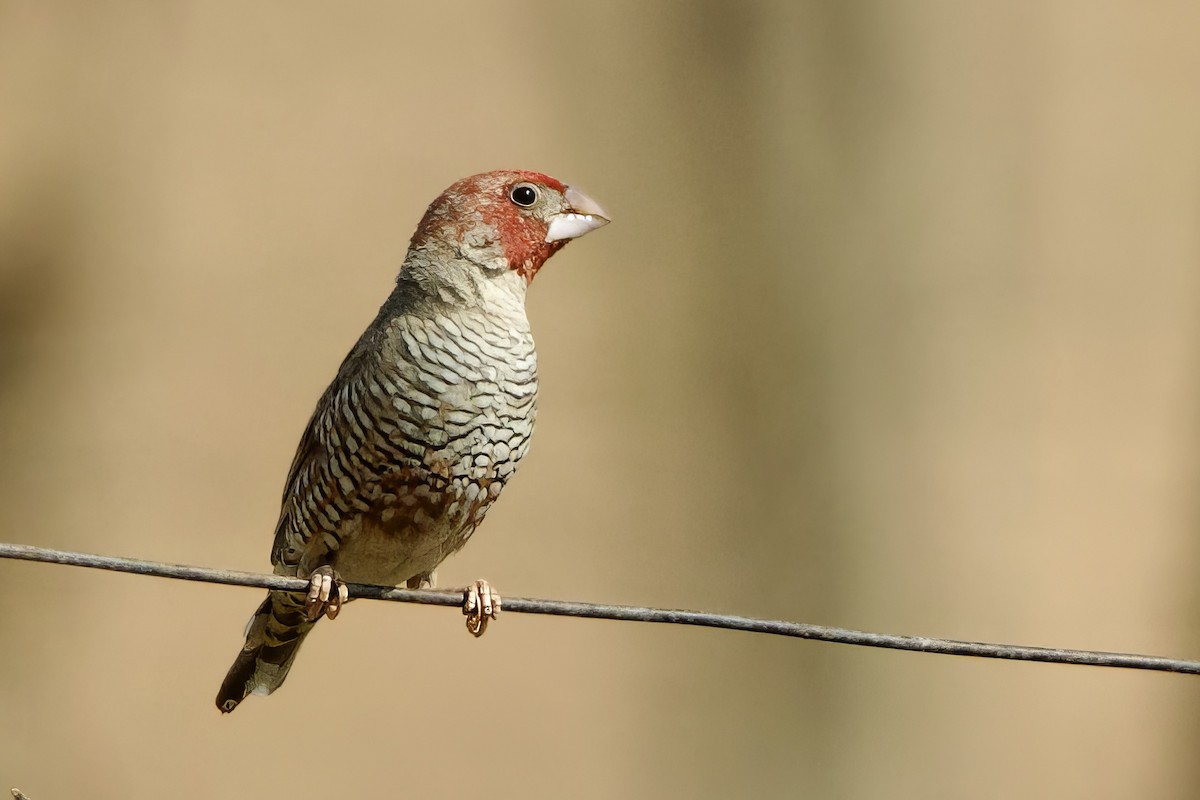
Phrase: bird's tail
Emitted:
{"points": [[273, 637]]}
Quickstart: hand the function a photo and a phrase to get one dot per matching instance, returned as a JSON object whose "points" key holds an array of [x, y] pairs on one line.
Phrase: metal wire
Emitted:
{"points": [[565, 608]]}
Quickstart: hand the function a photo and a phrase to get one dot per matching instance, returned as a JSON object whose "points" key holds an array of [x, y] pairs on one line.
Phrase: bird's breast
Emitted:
{"points": [[454, 408]]}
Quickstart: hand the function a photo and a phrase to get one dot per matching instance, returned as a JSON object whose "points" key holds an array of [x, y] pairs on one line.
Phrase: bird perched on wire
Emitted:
{"points": [[426, 420]]}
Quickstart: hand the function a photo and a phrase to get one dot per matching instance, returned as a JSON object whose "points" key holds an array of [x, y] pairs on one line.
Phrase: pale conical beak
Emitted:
{"points": [[583, 214]]}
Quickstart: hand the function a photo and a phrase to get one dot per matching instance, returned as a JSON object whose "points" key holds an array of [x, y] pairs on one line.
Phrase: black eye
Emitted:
{"points": [[523, 195]]}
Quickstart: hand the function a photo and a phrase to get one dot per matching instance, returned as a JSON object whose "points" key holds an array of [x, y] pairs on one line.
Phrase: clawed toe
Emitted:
{"points": [[480, 604], [323, 597]]}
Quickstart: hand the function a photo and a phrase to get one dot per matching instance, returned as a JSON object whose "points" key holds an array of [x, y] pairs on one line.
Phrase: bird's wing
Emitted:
{"points": [[335, 474]]}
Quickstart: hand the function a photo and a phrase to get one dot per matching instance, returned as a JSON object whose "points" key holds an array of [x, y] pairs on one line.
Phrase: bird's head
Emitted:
{"points": [[508, 220]]}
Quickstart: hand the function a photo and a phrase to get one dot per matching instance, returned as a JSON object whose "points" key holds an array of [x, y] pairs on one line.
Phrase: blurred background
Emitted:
{"points": [[897, 327]]}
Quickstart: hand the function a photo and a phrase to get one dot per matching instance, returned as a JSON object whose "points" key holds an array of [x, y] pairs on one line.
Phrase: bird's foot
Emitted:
{"points": [[480, 604], [327, 593]]}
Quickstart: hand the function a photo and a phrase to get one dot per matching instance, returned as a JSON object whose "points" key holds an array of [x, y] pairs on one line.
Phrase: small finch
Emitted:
{"points": [[424, 423]]}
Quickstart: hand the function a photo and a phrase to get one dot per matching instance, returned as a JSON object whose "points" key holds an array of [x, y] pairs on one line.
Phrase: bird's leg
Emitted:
{"points": [[322, 599], [480, 604], [426, 580], [480, 601]]}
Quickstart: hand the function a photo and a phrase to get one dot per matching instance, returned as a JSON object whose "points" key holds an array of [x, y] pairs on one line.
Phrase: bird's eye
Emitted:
{"points": [[524, 195]]}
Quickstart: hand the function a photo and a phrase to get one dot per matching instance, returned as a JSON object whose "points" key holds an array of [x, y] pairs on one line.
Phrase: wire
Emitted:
{"points": [[524, 605]]}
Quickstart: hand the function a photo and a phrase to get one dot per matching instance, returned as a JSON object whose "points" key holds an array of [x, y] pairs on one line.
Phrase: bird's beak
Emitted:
{"points": [[583, 214]]}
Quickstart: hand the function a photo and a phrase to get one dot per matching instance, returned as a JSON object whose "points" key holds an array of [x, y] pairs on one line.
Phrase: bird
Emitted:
{"points": [[426, 420]]}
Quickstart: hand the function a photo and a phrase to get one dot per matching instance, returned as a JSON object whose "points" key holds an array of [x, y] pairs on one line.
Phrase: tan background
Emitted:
{"points": [[896, 328]]}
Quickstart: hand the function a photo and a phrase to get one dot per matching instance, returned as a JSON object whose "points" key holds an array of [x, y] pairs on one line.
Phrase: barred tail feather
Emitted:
{"points": [[273, 637]]}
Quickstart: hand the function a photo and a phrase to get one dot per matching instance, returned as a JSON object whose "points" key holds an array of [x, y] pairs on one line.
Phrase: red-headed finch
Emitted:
{"points": [[427, 418]]}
